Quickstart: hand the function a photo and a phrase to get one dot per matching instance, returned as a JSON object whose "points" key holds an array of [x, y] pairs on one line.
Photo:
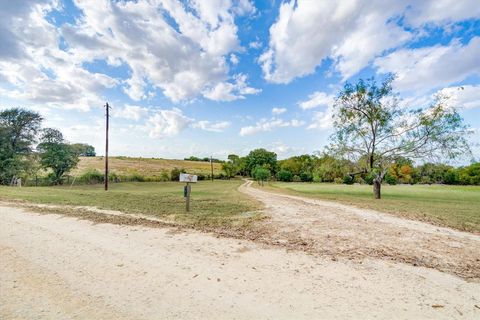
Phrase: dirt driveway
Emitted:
{"points": [[337, 230], [57, 267]]}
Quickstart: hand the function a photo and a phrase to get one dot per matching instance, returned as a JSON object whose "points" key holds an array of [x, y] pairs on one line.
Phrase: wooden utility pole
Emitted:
{"points": [[211, 165], [107, 118]]}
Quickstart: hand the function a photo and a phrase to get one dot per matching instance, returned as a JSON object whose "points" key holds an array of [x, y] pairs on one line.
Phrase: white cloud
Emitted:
{"points": [[234, 59], [255, 44], [268, 125], [182, 56], [211, 126], [322, 120], [167, 123], [277, 111], [130, 112], [423, 69], [226, 91], [467, 96], [317, 99], [351, 33]]}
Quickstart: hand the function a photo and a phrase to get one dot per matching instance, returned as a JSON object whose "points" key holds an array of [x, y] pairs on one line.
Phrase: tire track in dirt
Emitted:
{"points": [[337, 230]]}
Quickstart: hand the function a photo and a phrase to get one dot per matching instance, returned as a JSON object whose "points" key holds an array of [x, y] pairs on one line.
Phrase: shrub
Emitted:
{"points": [[175, 174], [338, 180], [284, 175], [348, 179], [306, 177], [91, 176], [391, 180], [369, 179], [296, 178], [451, 177]]}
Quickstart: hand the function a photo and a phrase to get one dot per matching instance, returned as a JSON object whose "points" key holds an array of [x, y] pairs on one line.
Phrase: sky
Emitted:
{"points": [[215, 77]]}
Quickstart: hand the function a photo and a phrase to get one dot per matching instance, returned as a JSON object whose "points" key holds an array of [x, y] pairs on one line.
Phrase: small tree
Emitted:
{"points": [[261, 174], [56, 154], [262, 158], [373, 130]]}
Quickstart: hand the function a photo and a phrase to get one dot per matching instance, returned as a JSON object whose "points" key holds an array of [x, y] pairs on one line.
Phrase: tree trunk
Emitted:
{"points": [[377, 184]]}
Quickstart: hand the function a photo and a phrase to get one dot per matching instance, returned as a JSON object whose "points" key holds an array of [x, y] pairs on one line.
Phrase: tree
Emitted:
{"points": [[261, 158], [18, 129], [284, 175], [83, 149], [56, 154], [371, 124], [261, 174]]}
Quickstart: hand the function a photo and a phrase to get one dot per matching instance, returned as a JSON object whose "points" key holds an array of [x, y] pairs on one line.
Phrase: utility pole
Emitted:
{"points": [[211, 165], [107, 118]]}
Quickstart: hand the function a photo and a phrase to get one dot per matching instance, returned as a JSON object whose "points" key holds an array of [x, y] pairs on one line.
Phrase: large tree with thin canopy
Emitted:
{"points": [[374, 129]]}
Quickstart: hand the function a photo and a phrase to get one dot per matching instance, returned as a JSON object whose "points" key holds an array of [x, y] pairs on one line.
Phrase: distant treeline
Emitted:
{"points": [[205, 159], [263, 165]]}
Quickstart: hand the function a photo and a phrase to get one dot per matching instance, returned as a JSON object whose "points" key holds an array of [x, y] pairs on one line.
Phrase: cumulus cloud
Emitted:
{"points": [[350, 33], [180, 48], [423, 69], [226, 91], [268, 125], [277, 111], [211, 126], [317, 99], [130, 112], [322, 120], [467, 96], [166, 123]]}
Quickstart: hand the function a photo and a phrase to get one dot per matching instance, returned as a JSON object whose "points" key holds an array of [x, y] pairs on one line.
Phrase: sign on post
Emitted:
{"points": [[188, 178], [185, 177]]}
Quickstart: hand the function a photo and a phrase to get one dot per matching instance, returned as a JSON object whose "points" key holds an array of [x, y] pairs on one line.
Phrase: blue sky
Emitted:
{"points": [[216, 77]]}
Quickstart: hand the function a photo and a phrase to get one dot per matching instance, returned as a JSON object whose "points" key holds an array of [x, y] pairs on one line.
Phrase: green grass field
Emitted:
{"points": [[213, 204], [453, 206]]}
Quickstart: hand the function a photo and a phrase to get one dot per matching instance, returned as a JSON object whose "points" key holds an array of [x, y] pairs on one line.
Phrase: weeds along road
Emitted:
{"points": [[57, 267]]}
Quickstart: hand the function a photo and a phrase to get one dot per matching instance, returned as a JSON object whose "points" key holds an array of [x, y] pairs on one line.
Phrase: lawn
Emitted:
{"points": [[213, 204], [453, 206]]}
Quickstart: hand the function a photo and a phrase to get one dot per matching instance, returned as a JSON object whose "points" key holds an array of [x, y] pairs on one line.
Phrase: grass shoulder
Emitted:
{"points": [[215, 204], [451, 206]]}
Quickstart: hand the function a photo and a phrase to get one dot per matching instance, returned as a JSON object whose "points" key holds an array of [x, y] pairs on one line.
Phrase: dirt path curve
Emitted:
{"points": [[339, 230], [57, 267]]}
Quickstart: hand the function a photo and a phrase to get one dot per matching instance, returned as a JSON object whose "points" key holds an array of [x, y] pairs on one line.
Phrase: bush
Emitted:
{"points": [[261, 174], [391, 180], [369, 179], [136, 177], [338, 180], [306, 177], [175, 174], [91, 176], [348, 179], [284, 175], [296, 178], [451, 177]]}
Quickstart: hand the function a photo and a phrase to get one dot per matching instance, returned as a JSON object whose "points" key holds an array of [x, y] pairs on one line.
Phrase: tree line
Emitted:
{"points": [[263, 165], [26, 149]]}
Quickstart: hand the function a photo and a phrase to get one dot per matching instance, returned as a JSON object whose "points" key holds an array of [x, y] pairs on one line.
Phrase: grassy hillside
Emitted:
{"points": [[452, 206], [144, 166]]}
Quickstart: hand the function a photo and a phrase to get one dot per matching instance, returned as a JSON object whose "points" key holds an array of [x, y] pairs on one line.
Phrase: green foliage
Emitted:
{"points": [[261, 174], [56, 155], [18, 129], [261, 158], [391, 180], [175, 174], [284, 175], [91, 176], [348, 179], [83, 149], [376, 132]]}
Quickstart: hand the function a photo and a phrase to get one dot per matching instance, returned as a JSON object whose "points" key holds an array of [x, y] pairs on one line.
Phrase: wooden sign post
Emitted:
{"points": [[188, 178]]}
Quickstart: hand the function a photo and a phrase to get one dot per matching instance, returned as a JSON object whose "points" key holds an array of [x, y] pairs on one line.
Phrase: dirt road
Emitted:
{"points": [[337, 230], [56, 267]]}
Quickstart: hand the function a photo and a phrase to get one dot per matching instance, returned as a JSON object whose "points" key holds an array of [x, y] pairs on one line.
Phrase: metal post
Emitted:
{"points": [[107, 108]]}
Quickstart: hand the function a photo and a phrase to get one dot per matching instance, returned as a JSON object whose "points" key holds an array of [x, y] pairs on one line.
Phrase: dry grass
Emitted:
{"points": [[144, 166]]}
